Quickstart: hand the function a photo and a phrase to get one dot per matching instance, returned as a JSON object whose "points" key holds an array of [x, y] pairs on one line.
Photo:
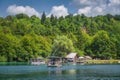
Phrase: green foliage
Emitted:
{"points": [[80, 53], [102, 46], [43, 18], [23, 37], [21, 16], [62, 46], [83, 40], [3, 59]]}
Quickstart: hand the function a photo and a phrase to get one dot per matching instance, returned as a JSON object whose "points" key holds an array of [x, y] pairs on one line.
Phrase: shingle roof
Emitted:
{"points": [[71, 55]]}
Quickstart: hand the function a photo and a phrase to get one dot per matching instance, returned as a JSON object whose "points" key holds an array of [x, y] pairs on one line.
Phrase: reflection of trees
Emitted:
{"points": [[69, 74], [55, 74], [72, 71], [62, 74]]}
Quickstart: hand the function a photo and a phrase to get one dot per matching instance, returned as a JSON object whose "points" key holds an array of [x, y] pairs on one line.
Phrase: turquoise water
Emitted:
{"points": [[66, 72]]}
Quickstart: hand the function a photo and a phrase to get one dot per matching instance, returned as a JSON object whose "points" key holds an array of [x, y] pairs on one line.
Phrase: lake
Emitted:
{"points": [[66, 72]]}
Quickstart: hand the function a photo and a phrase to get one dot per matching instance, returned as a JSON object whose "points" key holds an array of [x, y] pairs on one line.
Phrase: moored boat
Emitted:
{"points": [[37, 61], [54, 61]]}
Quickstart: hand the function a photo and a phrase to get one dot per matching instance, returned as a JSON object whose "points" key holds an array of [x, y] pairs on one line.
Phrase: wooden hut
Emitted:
{"points": [[88, 58], [80, 60], [72, 57]]}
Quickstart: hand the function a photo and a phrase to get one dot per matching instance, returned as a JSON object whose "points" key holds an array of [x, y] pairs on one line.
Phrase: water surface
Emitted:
{"points": [[66, 72]]}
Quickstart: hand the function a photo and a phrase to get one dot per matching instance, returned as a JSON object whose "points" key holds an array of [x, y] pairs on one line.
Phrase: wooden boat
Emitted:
{"points": [[37, 61], [54, 61]]}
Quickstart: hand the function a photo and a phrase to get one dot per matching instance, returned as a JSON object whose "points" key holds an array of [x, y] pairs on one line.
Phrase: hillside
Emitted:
{"points": [[23, 37]]}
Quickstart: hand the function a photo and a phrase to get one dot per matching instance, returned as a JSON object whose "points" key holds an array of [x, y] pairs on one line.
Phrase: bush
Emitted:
{"points": [[3, 59]]}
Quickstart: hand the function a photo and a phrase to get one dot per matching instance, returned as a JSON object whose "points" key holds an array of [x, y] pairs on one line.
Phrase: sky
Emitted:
{"points": [[59, 7]]}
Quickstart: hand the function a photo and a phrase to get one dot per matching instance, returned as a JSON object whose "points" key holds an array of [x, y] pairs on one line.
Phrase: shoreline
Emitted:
{"points": [[102, 62], [85, 62]]}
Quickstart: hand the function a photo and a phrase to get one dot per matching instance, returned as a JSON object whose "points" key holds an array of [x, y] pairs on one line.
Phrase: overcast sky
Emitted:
{"points": [[59, 7]]}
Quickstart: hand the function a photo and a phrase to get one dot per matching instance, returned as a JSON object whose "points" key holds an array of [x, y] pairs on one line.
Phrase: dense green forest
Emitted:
{"points": [[23, 37]]}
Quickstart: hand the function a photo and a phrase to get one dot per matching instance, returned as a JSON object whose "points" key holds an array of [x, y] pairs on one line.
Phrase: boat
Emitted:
{"points": [[54, 61], [37, 61]]}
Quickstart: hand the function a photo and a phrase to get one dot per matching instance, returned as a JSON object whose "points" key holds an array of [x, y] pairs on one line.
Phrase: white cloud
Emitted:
{"points": [[59, 11], [83, 2], [13, 9], [89, 11], [112, 2], [97, 7], [85, 11]]}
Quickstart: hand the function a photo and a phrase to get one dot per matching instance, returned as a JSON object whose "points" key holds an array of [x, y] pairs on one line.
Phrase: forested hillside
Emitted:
{"points": [[23, 37]]}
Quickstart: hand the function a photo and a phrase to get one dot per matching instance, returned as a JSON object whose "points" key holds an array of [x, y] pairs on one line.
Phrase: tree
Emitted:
{"points": [[23, 37], [22, 16], [117, 46], [62, 46], [7, 44], [43, 18], [102, 47], [35, 46], [53, 20], [63, 26], [83, 40]]}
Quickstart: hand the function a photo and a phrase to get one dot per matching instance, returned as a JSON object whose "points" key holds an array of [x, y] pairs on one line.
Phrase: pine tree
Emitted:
{"points": [[43, 18]]}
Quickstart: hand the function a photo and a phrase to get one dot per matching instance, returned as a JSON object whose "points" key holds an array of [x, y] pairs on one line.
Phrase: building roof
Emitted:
{"points": [[88, 57], [81, 57], [71, 55]]}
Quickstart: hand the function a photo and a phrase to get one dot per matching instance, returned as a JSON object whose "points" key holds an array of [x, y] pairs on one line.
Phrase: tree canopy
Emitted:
{"points": [[23, 37], [62, 46]]}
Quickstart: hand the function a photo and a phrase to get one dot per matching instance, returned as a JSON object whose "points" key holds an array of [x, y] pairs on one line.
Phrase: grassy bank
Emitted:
{"points": [[14, 63], [102, 62]]}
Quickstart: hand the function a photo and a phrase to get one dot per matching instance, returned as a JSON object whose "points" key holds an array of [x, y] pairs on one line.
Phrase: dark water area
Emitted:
{"points": [[66, 72]]}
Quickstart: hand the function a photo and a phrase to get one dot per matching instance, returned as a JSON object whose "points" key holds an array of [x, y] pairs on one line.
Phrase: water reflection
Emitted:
{"points": [[57, 72], [71, 72]]}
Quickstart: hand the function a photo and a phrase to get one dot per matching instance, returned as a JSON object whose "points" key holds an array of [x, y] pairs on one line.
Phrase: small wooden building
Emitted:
{"points": [[81, 60], [72, 57], [88, 58], [54, 61]]}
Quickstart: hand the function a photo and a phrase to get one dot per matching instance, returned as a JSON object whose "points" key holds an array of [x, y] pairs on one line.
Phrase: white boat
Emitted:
{"points": [[54, 61], [37, 61]]}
